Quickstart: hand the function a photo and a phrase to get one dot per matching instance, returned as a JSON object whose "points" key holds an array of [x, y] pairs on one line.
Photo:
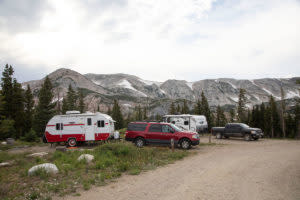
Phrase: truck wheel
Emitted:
{"points": [[72, 142], [139, 142], [247, 137], [219, 136], [185, 143]]}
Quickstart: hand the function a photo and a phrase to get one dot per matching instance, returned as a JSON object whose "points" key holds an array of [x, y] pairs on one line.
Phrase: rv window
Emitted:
{"points": [[61, 126], [186, 122], [57, 126], [100, 123], [173, 122], [89, 121]]}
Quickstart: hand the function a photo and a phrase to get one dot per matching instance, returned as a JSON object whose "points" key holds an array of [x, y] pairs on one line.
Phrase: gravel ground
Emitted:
{"points": [[264, 169]]}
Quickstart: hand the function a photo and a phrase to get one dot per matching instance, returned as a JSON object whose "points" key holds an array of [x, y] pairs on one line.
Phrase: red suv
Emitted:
{"points": [[142, 133]]}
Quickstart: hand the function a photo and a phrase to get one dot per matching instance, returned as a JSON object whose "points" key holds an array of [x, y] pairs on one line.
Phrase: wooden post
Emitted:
{"points": [[210, 136], [172, 144]]}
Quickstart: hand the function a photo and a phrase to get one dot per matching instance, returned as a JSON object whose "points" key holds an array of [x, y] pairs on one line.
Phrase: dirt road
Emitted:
{"points": [[265, 169]]}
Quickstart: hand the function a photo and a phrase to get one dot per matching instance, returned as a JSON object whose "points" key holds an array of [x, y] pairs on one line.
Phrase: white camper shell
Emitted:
{"points": [[74, 127], [195, 123]]}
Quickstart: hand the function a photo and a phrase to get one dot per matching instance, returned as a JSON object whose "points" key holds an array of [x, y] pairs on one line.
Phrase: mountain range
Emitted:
{"points": [[101, 89]]}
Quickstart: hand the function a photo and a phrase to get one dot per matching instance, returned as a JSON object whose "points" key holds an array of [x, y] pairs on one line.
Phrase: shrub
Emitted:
{"points": [[31, 136], [7, 129]]}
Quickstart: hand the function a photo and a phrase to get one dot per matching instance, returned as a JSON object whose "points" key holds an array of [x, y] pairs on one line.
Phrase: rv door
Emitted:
{"points": [[89, 129]]}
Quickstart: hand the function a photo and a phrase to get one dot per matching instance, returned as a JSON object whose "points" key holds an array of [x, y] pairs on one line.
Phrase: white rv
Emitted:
{"points": [[195, 123], [74, 127]]}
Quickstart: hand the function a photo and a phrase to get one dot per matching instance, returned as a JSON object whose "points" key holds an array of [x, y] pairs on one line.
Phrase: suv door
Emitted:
{"points": [[167, 133], [155, 134]]}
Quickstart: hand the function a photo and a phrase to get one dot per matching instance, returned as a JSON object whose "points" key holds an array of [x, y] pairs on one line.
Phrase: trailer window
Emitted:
{"points": [[89, 121], [59, 126], [186, 123], [100, 123]]}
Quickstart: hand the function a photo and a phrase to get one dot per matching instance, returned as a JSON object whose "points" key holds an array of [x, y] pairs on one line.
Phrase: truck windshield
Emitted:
{"points": [[177, 129]]}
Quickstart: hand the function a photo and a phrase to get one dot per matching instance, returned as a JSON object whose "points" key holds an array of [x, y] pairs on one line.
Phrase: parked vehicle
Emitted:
{"points": [[75, 127], [142, 133], [196, 123], [237, 130]]}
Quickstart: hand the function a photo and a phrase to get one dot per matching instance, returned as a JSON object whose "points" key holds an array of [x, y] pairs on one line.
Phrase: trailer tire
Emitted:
{"points": [[72, 142]]}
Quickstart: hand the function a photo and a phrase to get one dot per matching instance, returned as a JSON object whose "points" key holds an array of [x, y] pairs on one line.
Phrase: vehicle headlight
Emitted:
{"points": [[195, 136], [253, 132]]}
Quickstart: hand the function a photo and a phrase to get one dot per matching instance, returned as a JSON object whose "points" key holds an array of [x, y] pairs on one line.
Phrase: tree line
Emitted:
{"points": [[272, 118]]}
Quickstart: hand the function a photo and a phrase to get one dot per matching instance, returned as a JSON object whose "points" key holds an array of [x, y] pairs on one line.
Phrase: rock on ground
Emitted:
{"points": [[87, 157], [48, 167], [39, 154]]}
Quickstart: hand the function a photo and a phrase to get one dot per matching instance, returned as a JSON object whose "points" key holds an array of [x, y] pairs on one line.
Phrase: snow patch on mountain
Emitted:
{"points": [[235, 99], [125, 84], [190, 84], [291, 94], [231, 85]]}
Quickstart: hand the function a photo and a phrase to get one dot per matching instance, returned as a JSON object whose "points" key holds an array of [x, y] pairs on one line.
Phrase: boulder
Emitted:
{"points": [[48, 167], [39, 154], [4, 143], [10, 141], [87, 157], [5, 164]]}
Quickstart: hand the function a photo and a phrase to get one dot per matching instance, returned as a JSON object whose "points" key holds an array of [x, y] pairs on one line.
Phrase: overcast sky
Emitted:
{"points": [[153, 39]]}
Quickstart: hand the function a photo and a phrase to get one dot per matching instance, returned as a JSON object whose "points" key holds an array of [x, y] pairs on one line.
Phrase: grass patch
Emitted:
{"points": [[110, 161]]}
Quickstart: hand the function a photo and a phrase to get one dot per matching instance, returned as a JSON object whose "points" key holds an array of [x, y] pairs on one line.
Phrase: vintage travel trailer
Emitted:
{"points": [[195, 123], [74, 127]]}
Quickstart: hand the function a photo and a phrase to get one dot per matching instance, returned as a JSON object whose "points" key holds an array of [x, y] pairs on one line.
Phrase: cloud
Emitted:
{"points": [[157, 40], [16, 16]]}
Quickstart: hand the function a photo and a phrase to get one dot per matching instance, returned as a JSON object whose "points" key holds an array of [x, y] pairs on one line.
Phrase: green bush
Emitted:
{"points": [[31, 136], [7, 129]]}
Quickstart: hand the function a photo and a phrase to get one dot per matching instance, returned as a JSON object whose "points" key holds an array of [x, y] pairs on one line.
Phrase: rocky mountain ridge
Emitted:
{"points": [[132, 90]]}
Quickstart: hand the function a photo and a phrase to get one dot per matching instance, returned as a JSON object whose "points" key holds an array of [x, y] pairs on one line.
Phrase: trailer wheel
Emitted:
{"points": [[72, 142]]}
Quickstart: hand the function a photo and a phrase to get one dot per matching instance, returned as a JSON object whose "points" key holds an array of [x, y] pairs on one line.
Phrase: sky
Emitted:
{"points": [[153, 39]]}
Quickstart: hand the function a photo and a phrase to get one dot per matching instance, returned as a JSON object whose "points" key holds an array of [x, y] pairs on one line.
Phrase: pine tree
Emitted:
{"points": [[71, 98], [7, 91], [81, 105], [172, 110], [45, 108], [198, 108], [206, 111], [282, 112], [117, 115], [18, 108], [297, 121], [274, 120], [178, 109], [64, 107], [138, 113], [241, 110], [220, 117], [262, 119], [145, 113], [185, 108], [28, 108], [232, 115]]}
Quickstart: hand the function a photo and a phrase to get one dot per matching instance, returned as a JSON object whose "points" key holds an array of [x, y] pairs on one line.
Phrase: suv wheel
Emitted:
{"points": [[219, 136], [139, 142], [247, 137], [185, 144], [72, 142]]}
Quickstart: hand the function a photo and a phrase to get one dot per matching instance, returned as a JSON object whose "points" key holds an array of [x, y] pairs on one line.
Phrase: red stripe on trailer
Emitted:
{"points": [[74, 124], [101, 136], [50, 125], [64, 137]]}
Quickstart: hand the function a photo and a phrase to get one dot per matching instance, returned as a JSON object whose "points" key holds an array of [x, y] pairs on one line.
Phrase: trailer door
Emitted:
{"points": [[89, 129]]}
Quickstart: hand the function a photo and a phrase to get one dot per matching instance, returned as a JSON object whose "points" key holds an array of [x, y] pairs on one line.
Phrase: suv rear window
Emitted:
{"points": [[136, 127]]}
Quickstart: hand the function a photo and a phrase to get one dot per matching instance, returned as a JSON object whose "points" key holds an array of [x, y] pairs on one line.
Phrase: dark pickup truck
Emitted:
{"points": [[237, 130]]}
